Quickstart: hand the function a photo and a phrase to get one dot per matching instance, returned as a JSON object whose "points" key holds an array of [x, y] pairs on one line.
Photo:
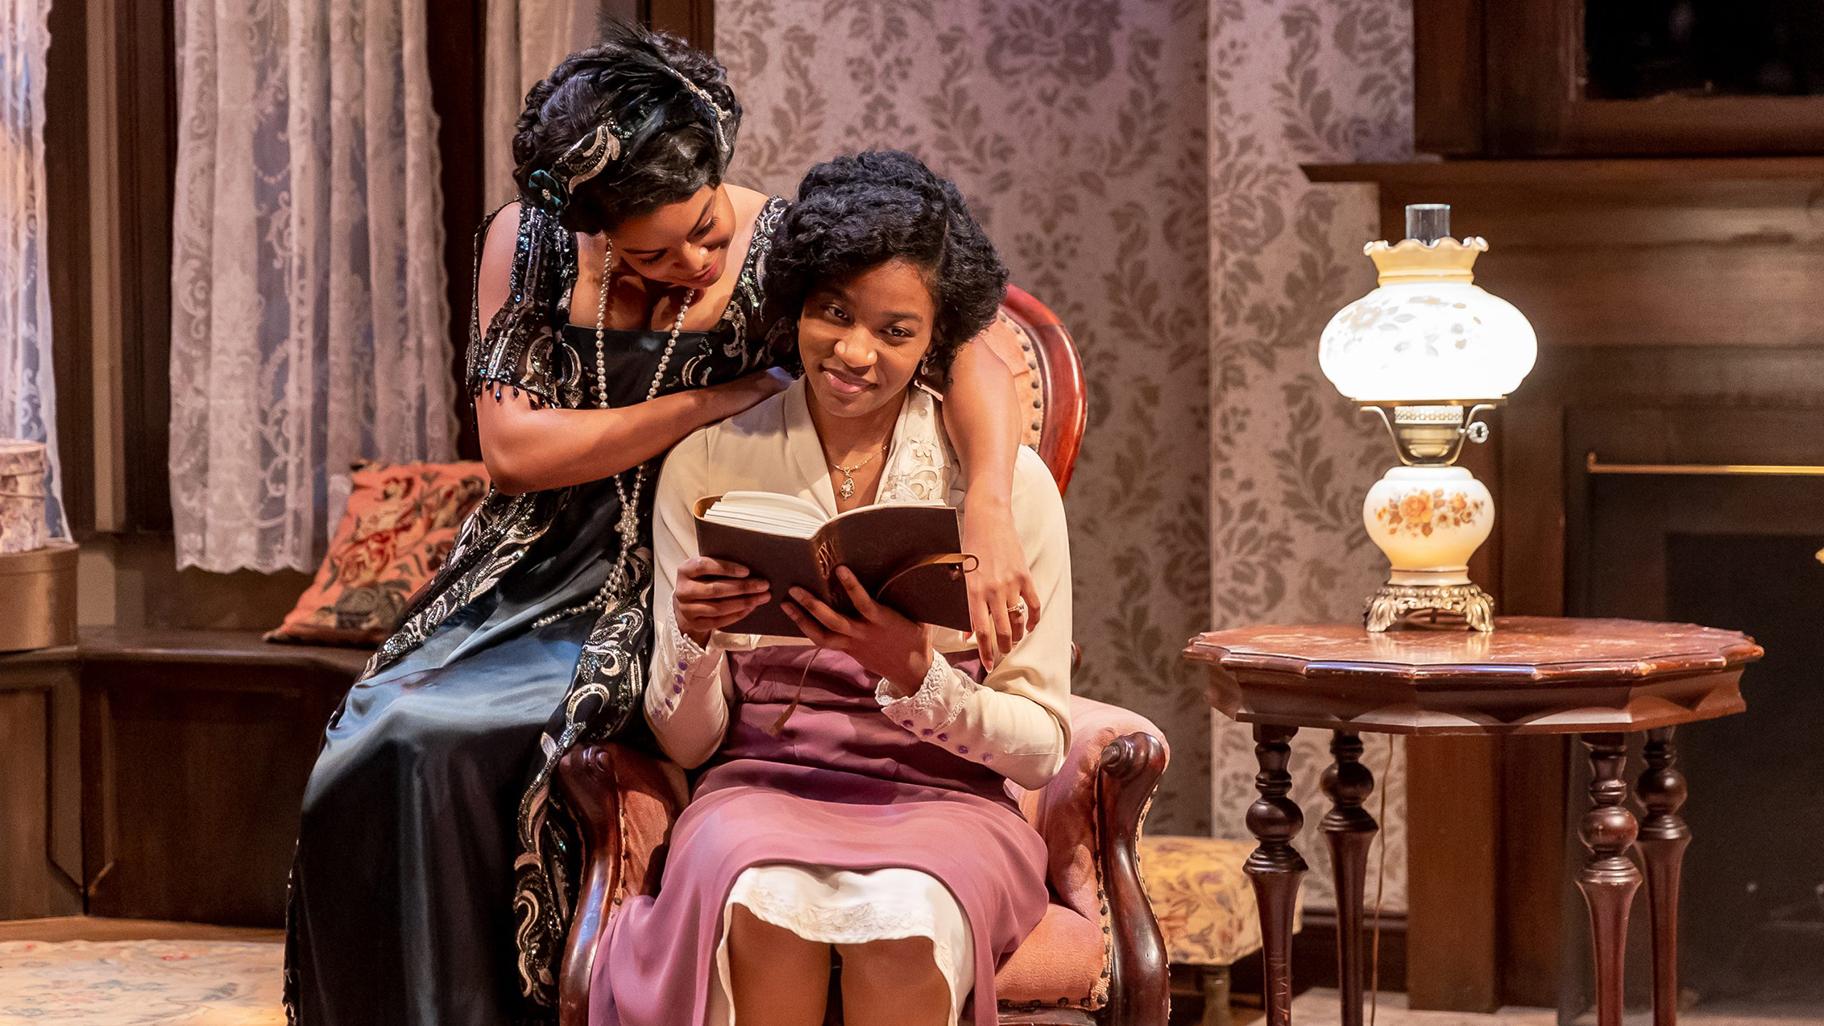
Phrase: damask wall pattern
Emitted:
{"points": [[1294, 83], [1075, 129]]}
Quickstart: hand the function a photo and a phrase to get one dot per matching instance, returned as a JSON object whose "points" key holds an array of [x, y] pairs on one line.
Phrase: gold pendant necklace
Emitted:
{"points": [[847, 490]]}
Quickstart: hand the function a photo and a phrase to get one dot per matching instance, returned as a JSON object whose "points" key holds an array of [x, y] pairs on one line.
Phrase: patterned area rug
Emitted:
{"points": [[140, 983]]}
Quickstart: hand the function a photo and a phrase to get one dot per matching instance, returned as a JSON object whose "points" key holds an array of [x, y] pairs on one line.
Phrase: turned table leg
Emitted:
{"points": [[1275, 867], [1350, 830], [1609, 877], [1663, 837]]}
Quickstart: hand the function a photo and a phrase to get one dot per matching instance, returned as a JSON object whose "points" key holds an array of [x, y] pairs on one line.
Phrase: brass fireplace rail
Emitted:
{"points": [[1597, 466]]}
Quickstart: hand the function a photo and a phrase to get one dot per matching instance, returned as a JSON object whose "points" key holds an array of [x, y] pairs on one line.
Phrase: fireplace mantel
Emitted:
{"points": [[1630, 170], [1651, 252]]}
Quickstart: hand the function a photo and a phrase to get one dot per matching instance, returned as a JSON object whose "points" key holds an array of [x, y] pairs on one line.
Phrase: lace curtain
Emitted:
{"points": [[309, 324], [27, 397], [525, 40]]}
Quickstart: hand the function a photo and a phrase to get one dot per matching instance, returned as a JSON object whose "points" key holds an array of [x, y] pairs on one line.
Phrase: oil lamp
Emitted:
{"points": [[1430, 352]]}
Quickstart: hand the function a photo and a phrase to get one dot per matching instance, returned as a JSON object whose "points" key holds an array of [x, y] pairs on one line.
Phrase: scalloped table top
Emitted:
{"points": [[1531, 675]]}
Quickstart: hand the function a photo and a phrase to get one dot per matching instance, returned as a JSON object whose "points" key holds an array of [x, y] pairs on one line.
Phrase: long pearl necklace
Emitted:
{"points": [[628, 525]]}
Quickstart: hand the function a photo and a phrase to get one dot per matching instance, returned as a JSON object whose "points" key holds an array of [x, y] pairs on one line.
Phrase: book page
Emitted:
{"points": [[768, 512], [859, 511]]}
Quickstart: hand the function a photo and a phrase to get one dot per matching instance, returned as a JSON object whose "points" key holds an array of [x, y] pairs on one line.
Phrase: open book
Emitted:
{"points": [[906, 556]]}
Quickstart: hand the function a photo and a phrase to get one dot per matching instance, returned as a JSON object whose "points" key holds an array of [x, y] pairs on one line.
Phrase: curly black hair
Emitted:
{"points": [[860, 211], [629, 76]]}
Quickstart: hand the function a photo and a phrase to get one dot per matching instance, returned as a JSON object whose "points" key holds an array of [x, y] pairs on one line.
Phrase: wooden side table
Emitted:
{"points": [[1600, 679]]}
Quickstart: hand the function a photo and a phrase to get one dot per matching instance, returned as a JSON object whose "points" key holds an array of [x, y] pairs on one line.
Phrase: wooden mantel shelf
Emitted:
{"points": [[1546, 172], [1670, 252]]}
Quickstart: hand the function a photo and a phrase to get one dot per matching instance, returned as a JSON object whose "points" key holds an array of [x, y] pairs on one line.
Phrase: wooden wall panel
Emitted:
{"points": [[25, 814], [457, 33], [147, 105], [193, 777], [40, 839], [1531, 870], [67, 253], [695, 20], [1505, 79], [1447, 76], [1453, 795]]}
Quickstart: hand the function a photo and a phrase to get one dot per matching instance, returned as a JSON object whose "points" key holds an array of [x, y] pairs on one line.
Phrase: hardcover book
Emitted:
{"points": [[906, 556]]}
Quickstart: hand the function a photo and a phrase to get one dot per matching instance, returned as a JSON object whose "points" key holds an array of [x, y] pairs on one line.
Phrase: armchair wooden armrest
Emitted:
{"points": [[1090, 815], [624, 802], [1139, 990]]}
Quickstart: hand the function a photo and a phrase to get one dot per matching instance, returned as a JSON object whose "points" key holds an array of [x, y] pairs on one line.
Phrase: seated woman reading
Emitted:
{"points": [[854, 806]]}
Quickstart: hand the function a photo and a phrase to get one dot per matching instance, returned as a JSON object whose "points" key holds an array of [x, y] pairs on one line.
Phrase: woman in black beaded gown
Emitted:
{"points": [[617, 310]]}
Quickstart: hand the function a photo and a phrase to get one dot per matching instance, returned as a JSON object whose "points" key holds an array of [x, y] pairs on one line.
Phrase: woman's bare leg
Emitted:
{"points": [[893, 983], [778, 977]]}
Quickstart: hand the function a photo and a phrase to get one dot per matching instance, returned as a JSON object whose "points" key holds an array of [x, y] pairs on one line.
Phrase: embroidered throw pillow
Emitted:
{"points": [[395, 533]]}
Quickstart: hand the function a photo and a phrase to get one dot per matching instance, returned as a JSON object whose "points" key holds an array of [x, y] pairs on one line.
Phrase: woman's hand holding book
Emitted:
{"points": [[878, 637], [713, 593]]}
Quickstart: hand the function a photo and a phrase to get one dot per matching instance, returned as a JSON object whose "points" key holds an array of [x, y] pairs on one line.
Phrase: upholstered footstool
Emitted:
{"points": [[1205, 906]]}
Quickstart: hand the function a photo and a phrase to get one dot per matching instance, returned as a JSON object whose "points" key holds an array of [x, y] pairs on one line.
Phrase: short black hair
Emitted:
{"points": [[861, 211], [631, 76]]}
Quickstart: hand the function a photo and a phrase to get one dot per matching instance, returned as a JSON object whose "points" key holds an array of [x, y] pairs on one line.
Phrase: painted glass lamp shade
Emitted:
{"points": [[1428, 333]]}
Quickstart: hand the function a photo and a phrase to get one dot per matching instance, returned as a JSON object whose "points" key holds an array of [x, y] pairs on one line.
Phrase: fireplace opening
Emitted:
{"points": [[1746, 552], [1754, 890]]}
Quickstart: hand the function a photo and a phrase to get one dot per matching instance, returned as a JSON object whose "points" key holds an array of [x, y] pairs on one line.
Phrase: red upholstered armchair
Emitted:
{"points": [[1097, 957]]}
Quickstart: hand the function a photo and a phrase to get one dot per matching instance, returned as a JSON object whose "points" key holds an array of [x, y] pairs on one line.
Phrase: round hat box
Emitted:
{"points": [[37, 575]]}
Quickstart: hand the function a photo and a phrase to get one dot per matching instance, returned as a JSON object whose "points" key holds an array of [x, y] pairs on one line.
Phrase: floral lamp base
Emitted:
{"points": [[1429, 520], [1439, 606]]}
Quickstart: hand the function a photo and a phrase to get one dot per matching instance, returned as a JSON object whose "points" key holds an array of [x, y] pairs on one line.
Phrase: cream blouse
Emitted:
{"points": [[1016, 721]]}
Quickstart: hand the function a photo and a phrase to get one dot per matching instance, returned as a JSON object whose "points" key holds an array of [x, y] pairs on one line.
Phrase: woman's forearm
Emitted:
{"points": [[981, 416], [529, 449]]}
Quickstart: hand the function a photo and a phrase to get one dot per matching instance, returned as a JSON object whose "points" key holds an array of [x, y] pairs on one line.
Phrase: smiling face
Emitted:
{"points": [[861, 339], [684, 243]]}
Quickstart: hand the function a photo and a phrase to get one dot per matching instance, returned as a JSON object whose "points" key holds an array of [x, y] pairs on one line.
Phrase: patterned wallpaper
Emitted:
{"points": [[1137, 162], [1294, 83], [1075, 128]]}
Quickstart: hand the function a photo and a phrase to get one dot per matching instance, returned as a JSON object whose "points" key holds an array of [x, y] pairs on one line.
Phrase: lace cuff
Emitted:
{"points": [[936, 704], [682, 661], [683, 647]]}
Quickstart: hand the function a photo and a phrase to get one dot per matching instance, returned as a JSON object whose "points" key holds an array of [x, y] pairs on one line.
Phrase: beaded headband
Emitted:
{"points": [[703, 94], [591, 155]]}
